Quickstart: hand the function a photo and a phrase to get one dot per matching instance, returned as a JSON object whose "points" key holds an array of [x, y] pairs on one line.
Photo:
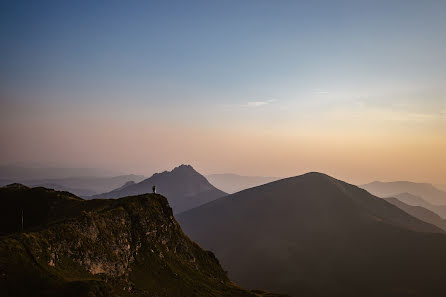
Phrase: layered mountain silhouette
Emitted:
{"points": [[79, 185], [419, 212], [24, 172], [183, 186], [313, 235], [441, 187], [231, 183], [426, 191], [413, 200], [131, 246]]}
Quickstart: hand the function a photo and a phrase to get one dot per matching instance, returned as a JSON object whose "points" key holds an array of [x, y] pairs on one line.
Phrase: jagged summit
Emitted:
{"points": [[184, 187], [183, 167]]}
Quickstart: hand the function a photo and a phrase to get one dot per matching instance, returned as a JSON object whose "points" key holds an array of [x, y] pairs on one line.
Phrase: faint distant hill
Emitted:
{"points": [[80, 181], [231, 183], [58, 187], [441, 187], [20, 173], [426, 191], [184, 187], [420, 213], [413, 200], [314, 235], [82, 186]]}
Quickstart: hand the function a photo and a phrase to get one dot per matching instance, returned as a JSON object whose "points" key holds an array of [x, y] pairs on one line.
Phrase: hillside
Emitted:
{"points": [[420, 213], [313, 235], [389, 189], [109, 247], [232, 183], [413, 200], [184, 187]]}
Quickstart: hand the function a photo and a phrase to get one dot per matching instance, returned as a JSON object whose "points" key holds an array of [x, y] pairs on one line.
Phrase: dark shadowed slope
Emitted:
{"points": [[313, 235], [231, 183], [389, 189], [40, 207], [131, 246], [420, 212], [183, 186]]}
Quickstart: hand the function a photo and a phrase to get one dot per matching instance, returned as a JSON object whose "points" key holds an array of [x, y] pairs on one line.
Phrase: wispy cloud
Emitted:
{"points": [[260, 103]]}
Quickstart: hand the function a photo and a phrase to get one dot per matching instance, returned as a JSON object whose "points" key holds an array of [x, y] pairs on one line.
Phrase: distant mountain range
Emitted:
{"points": [[82, 186], [413, 200], [420, 213], [427, 192], [184, 187], [441, 187], [231, 183], [313, 235], [20, 173], [106, 247]]}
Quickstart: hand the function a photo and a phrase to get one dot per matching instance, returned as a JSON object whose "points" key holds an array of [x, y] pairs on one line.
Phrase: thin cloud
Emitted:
{"points": [[260, 103]]}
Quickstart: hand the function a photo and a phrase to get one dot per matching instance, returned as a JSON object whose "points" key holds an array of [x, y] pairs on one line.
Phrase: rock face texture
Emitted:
{"points": [[122, 247]]}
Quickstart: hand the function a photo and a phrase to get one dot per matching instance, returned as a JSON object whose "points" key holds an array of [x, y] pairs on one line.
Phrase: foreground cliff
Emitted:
{"points": [[125, 247]]}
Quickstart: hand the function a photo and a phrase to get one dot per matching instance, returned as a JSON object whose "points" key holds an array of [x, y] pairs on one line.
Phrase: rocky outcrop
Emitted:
{"points": [[130, 246]]}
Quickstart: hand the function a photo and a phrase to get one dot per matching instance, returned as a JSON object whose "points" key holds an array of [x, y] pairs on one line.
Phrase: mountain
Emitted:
{"points": [[389, 189], [183, 186], [58, 187], [231, 183], [127, 184], [420, 213], [412, 199], [40, 207], [82, 186], [441, 187], [313, 235], [131, 246], [418, 201]]}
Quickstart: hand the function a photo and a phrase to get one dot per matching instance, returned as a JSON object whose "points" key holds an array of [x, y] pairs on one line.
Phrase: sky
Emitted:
{"points": [[354, 89]]}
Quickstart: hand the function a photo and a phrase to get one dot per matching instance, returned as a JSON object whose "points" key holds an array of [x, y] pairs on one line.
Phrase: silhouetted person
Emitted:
{"points": [[154, 189]]}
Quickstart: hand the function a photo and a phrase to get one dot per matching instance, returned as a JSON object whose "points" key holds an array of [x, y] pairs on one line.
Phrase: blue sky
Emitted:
{"points": [[262, 67]]}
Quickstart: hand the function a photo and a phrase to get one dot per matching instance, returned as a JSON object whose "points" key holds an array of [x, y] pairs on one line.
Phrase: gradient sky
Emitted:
{"points": [[355, 89]]}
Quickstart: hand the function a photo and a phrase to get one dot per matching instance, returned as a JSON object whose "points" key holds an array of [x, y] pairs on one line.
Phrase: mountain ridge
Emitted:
{"points": [[314, 235], [425, 190], [232, 183], [183, 186], [419, 212]]}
